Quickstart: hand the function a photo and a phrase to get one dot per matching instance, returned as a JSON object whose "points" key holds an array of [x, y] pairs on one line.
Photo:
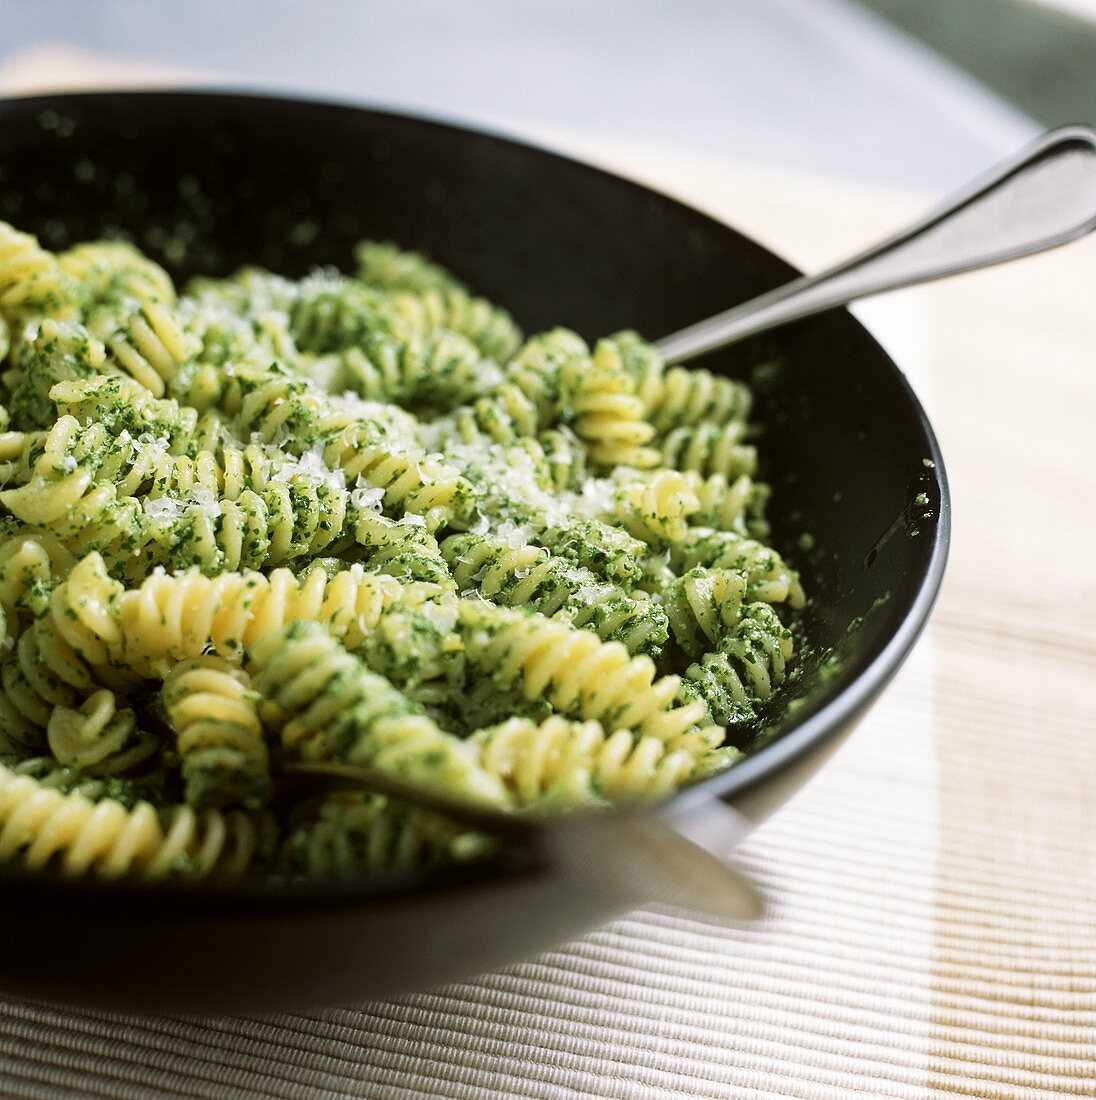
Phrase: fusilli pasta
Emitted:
{"points": [[575, 763], [335, 706], [362, 519], [349, 834], [214, 712], [41, 826]]}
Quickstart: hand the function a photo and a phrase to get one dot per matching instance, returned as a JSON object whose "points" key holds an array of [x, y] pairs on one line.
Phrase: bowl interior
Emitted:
{"points": [[206, 183]]}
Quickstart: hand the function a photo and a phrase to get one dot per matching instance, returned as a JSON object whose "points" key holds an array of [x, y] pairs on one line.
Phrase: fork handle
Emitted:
{"points": [[679, 857], [1043, 196]]}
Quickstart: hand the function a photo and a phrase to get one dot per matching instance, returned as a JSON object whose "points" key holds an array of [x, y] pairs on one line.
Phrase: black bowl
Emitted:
{"points": [[208, 182]]}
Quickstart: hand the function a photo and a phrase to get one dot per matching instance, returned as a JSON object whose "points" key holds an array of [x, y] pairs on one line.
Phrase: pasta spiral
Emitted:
{"points": [[539, 367], [32, 562], [16, 449], [607, 551], [607, 412], [276, 407], [152, 345], [434, 369], [42, 827], [503, 415], [63, 655], [144, 467], [215, 714], [55, 351], [171, 618], [580, 674], [351, 834], [489, 327], [658, 507], [328, 312], [417, 482], [128, 790], [565, 763], [18, 733], [737, 505], [745, 670], [284, 410], [121, 404], [561, 458], [257, 508], [99, 738], [400, 548], [31, 280], [703, 605], [644, 364], [769, 577], [66, 498], [384, 265], [688, 397], [414, 641], [529, 576], [112, 271], [337, 708], [283, 522], [710, 449]]}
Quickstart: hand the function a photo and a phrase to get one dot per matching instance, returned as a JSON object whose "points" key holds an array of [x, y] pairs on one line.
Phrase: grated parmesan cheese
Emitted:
{"points": [[367, 497]]}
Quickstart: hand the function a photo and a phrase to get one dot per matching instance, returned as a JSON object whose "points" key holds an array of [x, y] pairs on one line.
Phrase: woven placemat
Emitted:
{"points": [[933, 930]]}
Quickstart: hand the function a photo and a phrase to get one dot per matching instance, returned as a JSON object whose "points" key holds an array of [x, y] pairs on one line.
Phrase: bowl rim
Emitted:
{"points": [[767, 764]]}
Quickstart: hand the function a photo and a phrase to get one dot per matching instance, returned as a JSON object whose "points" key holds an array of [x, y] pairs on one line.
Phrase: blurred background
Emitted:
{"points": [[938, 89]]}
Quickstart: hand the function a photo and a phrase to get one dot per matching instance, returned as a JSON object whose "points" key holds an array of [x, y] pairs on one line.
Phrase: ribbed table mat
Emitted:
{"points": [[661, 1003], [933, 930]]}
